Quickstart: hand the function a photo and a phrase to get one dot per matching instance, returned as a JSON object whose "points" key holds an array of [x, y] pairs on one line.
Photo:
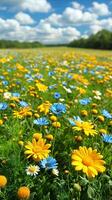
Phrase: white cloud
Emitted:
{"points": [[36, 5], [24, 18], [29, 5], [43, 32], [49, 34], [95, 28], [78, 16], [101, 9], [76, 5], [101, 24]]}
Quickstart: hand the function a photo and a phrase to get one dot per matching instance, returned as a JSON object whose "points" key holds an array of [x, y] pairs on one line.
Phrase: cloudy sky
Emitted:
{"points": [[53, 21]]}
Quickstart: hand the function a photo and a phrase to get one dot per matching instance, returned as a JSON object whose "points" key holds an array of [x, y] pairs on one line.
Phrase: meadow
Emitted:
{"points": [[55, 124]]}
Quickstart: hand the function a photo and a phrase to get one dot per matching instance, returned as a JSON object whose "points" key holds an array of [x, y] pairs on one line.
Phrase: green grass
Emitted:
{"points": [[66, 63]]}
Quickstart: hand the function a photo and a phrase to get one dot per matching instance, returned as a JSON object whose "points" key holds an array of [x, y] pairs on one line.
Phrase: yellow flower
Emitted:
{"points": [[23, 193], [78, 138], [94, 111], [1, 121], [101, 118], [81, 90], [12, 105], [110, 123], [86, 127], [23, 112], [84, 113], [41, 87], [44, 107], [21, 68], [37, 136], [103, 131], [94, 105], [56, 124], [49, 137], [21, 143], [53, 118], [88, 160], [3, 181], [38, 150]]}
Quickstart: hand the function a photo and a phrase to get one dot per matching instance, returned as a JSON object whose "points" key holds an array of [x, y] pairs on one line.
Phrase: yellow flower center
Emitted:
{"points": [[88, 161], [32, 169]]}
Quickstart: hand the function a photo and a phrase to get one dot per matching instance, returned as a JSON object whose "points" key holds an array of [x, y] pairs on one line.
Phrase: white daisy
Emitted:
{"points": [[55, 172], [32, 170]]}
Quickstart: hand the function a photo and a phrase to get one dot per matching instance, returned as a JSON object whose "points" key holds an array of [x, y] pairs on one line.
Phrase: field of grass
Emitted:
{"points": [[55, 124]]}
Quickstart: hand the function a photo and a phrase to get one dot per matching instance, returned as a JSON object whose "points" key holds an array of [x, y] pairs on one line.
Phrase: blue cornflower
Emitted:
{"points": [[15, 94], [72, 86], [64, 83], [57, 95], [58, 108], [5, 82], [3, 106], [52, 86], [72, 122], [84, 101], [28, 76], [43, 121], [107, 138], [85, 71], [106, 114], [92, 72], [50, 73], [39, 76], [23, 104], [1, 77], [75, 118], [49, 163], [100, 76]]}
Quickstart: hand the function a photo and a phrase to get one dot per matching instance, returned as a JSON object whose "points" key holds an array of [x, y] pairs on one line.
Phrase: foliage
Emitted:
{"points": [[17, 44], [100, 40]]}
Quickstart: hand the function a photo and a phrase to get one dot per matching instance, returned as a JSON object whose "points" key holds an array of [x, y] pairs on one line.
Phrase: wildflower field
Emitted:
{"points": [[55, 124]]}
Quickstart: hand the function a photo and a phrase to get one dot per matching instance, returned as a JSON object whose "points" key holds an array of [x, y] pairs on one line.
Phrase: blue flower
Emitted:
{"points": [[15, 94], [51, 73], [106, 114], [72, 122], [49, 163], [58, 108], [52, 86], [75, 118], [1, 77], [3, 106], [57, 95], [84, 101], [100, 76], [5, 82], [64, 83], [23, 104], [43, 121], [107, 138]]}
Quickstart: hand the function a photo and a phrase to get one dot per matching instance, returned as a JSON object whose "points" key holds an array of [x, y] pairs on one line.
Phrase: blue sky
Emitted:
{"points": [[53, 21]]}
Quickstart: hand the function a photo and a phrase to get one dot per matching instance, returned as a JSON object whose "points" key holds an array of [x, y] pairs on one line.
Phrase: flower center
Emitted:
{"points": [[88, 161], [32, 169]]}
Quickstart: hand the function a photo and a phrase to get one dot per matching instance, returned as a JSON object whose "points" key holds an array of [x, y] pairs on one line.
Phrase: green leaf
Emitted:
{"points": [[90, 192]]}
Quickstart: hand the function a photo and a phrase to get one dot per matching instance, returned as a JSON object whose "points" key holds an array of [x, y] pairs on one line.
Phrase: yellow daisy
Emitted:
{"points": [[88, 160], [86, 127], [38, 150]]}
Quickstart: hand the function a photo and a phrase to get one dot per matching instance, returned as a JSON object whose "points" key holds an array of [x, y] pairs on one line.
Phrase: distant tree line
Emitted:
{"points": [[17, 44], [100, 40]]}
